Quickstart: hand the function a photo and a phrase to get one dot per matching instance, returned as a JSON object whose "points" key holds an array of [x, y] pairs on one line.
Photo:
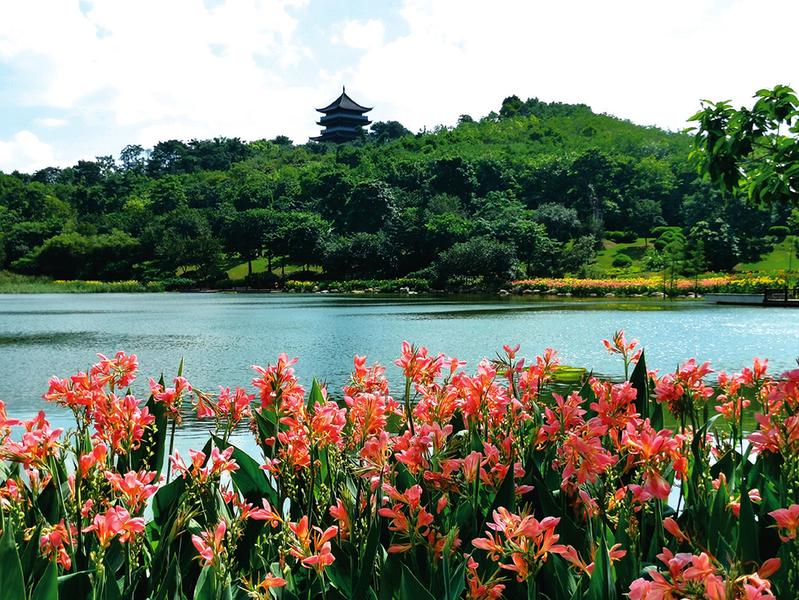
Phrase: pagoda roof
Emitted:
{"points": [[344, 102]]}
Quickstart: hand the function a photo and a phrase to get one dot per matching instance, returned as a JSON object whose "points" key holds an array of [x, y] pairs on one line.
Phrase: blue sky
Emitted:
{"points": [[83, 78]]}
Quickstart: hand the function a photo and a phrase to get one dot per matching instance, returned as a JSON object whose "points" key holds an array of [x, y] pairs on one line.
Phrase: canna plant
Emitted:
{"points": [[511, 482]]}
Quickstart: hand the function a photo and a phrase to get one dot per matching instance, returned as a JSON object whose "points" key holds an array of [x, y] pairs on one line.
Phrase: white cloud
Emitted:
{"points": [[649, 62], [51, 122], [153, 69], [25, 152], [362, 35], [165, 66]]}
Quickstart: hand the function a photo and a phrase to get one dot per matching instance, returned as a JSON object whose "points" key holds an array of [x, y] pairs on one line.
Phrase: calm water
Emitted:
{"points": [[221, 335]]}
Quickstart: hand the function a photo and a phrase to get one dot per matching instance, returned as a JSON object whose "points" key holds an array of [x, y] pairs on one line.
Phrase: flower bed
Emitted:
{"points": [[349, 285], [629, 287], [500, 483]]}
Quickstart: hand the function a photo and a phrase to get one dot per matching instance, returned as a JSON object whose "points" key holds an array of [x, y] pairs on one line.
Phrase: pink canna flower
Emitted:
{"points": [[342, 515], [53, 543], [96, 457], [171, 398], [270, 581], [312, 546], [277, 383], [118, 372], [116, 522], [38, 444], [210, 545], [5, 423], [626, 349], [787, 521], [134, 488], [267, 513], [524, 540], [235, 405], [121, 422]]}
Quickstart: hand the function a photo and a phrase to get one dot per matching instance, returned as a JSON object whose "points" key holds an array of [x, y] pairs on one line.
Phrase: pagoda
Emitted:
{"points": [[342, 121]]}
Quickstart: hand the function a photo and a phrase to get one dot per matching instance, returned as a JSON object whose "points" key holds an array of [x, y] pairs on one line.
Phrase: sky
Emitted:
{"points": [[84, 78]]}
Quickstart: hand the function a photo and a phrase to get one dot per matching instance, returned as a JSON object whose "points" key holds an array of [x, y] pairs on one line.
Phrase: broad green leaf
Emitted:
{"points": [[640, 381], [411, 588], [367, 561], [457, 581], [602, 585], [47, 587], [748, 544], [315, 396], [390, 576], [12, 581], [250, 479], [150, 454]]}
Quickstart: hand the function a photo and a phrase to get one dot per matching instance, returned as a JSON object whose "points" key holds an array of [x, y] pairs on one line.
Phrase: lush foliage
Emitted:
{"points": [[527, 191], [752, 150], [497, 484]]}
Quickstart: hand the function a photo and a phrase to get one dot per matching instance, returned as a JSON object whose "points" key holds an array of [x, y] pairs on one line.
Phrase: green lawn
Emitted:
{"points": [[779, 259], [239, 272], [635, 250]]}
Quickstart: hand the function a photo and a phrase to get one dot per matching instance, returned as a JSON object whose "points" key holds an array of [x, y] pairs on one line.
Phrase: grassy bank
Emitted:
{"points": [[11, 283]]}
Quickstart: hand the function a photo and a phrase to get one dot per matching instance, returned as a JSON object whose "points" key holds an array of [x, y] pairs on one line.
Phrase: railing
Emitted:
{"points": [[785, 295]]}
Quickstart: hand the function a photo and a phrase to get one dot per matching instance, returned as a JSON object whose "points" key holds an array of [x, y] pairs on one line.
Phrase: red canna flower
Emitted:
{"points": [[53, 540]]}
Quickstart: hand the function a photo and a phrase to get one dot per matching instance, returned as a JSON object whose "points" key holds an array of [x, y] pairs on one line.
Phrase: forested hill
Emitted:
{"points": [[533, 188]]}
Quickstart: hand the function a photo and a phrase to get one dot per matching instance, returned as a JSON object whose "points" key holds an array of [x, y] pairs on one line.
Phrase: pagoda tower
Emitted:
{"points": [[342, 121]]}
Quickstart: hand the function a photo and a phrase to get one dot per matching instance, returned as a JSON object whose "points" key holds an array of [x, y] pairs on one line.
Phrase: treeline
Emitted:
{"points": [[529, 190]]}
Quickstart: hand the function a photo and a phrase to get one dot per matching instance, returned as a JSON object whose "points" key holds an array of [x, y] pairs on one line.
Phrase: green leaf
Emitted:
{"points": [[390, 577], [249, 479], [505, 497], [166, 499], [457, 582], [47, 588], [315, 396], [12, 581], [602, 586], [411, 588], [640, 381], [367, 561], [150, 454], [748, 544], [206, 588]]}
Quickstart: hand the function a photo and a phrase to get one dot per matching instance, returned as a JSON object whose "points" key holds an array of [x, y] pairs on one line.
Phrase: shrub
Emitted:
{"points": [[623, 237], [779, 231], [622, 261]]}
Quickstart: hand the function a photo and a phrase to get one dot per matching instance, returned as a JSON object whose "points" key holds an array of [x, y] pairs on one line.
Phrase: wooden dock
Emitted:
{"points": [[781, 297], [784, 297]]}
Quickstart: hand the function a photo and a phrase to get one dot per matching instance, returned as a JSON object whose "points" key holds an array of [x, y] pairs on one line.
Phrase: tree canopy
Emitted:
{"points": [[532, 188]]}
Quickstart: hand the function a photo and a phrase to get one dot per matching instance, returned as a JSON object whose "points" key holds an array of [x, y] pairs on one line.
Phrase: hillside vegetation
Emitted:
{"points": [[534, 190]]}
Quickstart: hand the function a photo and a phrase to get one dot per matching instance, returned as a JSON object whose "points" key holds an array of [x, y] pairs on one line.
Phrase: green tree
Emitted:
{"points": [[754, 151]]}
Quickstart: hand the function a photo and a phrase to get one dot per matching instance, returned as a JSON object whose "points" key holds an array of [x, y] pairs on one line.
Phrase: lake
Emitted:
{"points": [[221, 335]]}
